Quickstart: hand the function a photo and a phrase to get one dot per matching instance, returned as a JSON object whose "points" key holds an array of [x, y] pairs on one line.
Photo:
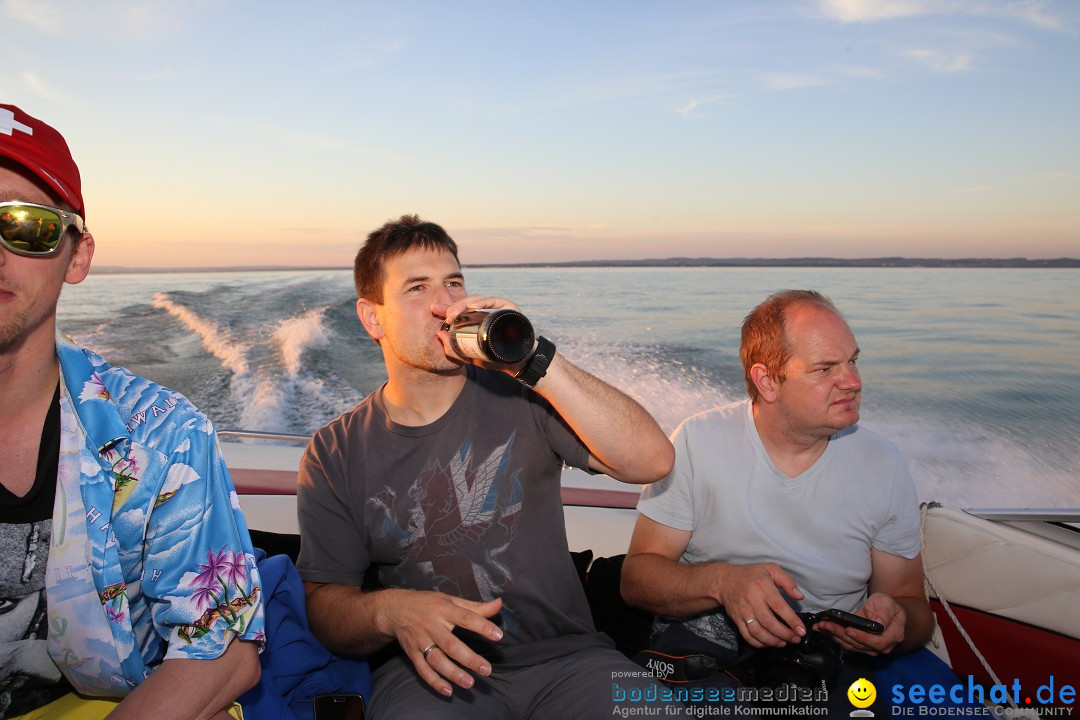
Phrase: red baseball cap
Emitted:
{"points": [[42, 151]]}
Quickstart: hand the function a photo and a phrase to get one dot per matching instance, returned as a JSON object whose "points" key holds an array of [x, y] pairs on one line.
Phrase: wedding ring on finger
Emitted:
{"points": [[428, 649], [749, 620]]}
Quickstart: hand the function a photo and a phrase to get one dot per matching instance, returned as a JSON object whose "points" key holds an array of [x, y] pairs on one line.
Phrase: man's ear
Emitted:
{"points": [[79, 262], [365, 310], [767, 385]]}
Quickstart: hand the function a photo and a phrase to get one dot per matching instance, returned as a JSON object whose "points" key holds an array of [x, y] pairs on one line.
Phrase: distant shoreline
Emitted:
{"points": [[882, 262]]}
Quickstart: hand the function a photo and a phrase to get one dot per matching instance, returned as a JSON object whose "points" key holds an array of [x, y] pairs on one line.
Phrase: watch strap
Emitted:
{"points": [[537, 364]]}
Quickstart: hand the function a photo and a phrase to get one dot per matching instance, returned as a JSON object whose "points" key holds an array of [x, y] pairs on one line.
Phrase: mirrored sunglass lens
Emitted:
{"points": [[30, 230]]}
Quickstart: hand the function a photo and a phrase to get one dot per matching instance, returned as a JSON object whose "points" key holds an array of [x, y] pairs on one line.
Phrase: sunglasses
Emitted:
{"points": [[34, 230]]}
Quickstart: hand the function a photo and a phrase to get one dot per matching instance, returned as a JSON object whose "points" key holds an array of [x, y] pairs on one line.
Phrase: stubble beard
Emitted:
{"points": [[444, 366], [15, 331], [429, 358], [805, 429]]}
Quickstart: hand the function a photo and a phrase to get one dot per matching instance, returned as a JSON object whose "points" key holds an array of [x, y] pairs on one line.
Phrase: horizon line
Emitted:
{"points": [[886, 262]]}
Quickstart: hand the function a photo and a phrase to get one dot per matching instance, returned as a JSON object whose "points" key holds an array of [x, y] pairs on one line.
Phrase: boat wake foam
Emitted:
{"points": [[269, 384]]}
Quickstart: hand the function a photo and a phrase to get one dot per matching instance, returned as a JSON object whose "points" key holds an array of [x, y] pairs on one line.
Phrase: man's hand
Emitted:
{"points": [[878, 607], [751, 595], [473, 302], [425, 621]]}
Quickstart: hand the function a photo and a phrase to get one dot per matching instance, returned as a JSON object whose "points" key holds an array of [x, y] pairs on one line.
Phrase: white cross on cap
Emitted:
{"points": [[8, 123]]}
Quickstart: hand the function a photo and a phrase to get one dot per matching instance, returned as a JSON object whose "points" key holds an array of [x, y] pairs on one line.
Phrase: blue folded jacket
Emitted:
{"points": [[295, 666]]}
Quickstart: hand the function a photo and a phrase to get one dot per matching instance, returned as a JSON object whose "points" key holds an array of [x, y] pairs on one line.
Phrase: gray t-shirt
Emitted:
{"points": [[469, 505], [28, 676], [818, 526]]}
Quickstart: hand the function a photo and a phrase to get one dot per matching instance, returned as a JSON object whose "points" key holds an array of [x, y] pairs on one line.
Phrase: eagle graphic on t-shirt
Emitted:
{"points": [[453, 523]]}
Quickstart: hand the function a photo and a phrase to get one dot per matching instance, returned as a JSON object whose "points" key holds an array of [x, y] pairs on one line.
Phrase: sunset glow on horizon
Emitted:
{"points": [[243, 133]]}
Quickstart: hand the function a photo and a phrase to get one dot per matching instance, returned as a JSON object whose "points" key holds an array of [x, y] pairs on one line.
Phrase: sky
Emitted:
{"points": [[242, 132]]}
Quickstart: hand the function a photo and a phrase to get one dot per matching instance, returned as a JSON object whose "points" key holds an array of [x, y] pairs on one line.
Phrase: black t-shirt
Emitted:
{"points": [[28, 677], [37, 504], [469, 505]]}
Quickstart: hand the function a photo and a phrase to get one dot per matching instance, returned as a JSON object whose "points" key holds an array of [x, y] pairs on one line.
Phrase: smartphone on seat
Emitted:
{"points": [[339, 706]]}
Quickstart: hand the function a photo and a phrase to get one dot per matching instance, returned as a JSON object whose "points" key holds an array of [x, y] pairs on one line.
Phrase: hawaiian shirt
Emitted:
{"points": [[150, 557]]}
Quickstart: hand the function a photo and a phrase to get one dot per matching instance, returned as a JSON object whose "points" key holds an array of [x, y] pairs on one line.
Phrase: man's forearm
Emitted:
{"points": [[193, 689], [348, 620], [667, 587], [617, 430]]}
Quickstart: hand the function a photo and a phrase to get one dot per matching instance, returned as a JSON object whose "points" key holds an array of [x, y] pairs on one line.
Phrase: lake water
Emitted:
{"points": [[973, 373]]}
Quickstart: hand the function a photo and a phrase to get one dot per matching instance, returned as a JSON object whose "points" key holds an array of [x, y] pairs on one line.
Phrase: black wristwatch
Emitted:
{"points": [[537, 365]]}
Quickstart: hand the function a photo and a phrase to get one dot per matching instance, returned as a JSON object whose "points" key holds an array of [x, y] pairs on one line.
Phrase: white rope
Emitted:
{"points": [[928, 584]]}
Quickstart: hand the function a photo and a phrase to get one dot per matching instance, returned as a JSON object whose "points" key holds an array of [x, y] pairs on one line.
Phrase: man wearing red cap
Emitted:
{"points": [[126, 569]]}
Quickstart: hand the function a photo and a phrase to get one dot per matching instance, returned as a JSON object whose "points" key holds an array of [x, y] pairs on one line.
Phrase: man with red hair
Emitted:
{"points": [[780, 505]]}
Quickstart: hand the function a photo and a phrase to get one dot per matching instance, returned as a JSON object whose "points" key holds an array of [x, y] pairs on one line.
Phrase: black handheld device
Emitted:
{"points": [[340, 706], [846, 619]]}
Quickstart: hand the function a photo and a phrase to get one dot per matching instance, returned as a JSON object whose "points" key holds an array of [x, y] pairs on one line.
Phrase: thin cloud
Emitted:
{"points": [[688, 108], [46, 91], [855, 11], [149, 74], [310, 141], [694, 106], [1052, 176], [41, 16], [1032, 12], [663, 87], [137, 21], [155, 18], [317, 143], [313, 230], [1035, 13], [862, 71], [360, 57], [545, 231], [941, 62], [793, 81], [548, 232]]}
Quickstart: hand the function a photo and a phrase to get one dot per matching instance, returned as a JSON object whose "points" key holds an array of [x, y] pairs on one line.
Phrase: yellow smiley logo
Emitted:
{"points": [[862, 693]]}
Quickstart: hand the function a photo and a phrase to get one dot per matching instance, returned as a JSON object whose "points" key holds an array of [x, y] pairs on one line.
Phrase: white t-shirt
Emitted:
{"points": [[818, 526]]}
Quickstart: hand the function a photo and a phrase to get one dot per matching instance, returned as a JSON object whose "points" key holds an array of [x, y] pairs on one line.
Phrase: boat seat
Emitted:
{"points": [[1015, 588], [1004, 569]]}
